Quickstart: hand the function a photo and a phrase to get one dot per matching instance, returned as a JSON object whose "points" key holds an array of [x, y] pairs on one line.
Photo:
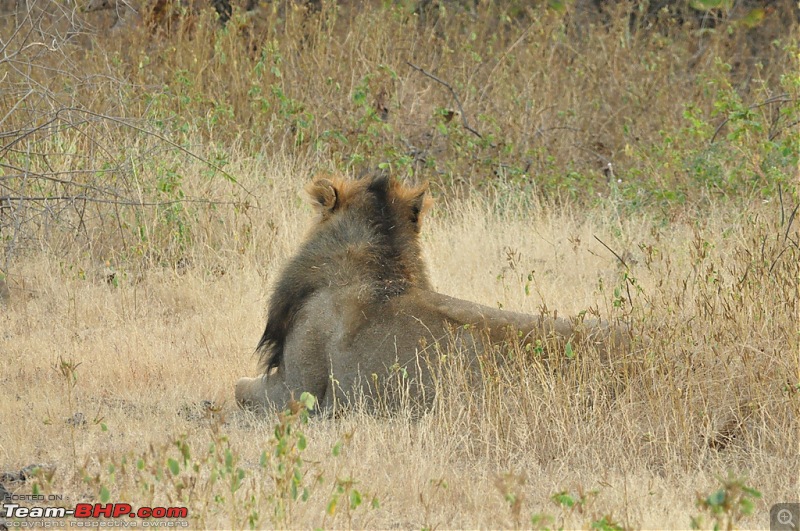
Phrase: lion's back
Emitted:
{"points": [[370, 346]]}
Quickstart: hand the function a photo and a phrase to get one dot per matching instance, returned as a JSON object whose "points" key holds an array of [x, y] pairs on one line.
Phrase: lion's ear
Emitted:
{"points": [[419, 204], [323, 195]]}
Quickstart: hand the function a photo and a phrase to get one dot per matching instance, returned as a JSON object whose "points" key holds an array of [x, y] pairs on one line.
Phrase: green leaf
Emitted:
{"points": [[752, 492], [747, 506], [355, 499], [716, 499], [228, 459], [104, 494], [568, 351], [174, 467], [308, 400], [563, 499]]}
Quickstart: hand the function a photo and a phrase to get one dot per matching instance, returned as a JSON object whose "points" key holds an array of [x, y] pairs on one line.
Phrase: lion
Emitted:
{"points": [[355, 306]]}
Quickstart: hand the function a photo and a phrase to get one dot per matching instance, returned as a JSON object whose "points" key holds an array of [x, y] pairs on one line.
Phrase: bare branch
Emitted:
{"points": [[164, 139], [612, 252], [123, 202], [453, 94]]}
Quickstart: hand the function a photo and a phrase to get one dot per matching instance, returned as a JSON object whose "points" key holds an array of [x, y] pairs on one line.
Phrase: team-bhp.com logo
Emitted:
{"points": [[161, 515]]}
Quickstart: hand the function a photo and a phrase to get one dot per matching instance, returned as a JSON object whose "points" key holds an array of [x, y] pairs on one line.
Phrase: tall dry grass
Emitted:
{"points": [[715, 390], [150, 190], [567, 104]]}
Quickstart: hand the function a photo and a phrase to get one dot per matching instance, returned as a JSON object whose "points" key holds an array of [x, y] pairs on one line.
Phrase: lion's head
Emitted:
{"points": [[366, 233]]}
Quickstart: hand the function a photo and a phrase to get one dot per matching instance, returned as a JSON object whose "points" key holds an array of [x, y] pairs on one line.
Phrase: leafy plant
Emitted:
{"points": [[727, 505]]}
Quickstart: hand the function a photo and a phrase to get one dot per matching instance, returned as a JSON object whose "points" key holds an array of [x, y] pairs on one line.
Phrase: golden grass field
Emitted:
{"points": [[711, 395], [151, 189]]}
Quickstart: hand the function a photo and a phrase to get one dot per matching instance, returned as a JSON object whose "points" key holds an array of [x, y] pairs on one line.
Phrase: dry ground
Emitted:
{"points": [[715, 392]]}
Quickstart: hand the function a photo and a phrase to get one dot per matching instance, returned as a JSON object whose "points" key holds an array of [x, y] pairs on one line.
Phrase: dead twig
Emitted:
{"points": [[121, 201], [612, 252], [627, 279], [789, 223]]}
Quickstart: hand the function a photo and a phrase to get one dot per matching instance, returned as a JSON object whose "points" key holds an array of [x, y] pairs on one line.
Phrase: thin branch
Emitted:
{"points": [[628, 281], [540, 131], [592, 152], [777, 258], [464, 121], [11, 144], [16, 105], [612, 252], [789, 223], [49, 177], [781, 98], [125, 202], [177, 146], [774, 135]]}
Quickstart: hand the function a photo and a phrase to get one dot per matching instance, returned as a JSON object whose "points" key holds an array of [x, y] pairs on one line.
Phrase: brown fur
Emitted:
{"points": [[355, 304]]}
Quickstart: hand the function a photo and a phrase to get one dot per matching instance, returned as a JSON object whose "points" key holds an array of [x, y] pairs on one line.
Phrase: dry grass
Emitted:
{"points": [[150, 191], [682, 113], [715, 391]]}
